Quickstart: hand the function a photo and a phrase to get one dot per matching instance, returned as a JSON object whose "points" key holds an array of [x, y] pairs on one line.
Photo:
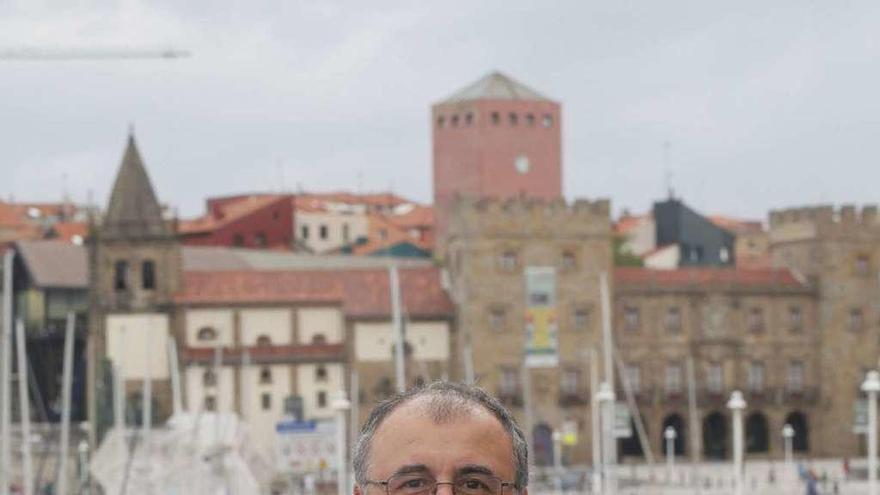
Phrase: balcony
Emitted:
{"points": [[806, 396], [764, 396], [643, 396], [510, 398], [574, 398]]}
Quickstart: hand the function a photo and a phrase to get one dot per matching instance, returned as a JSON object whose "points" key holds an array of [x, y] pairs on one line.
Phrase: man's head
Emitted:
{"points": [[444, 431]]}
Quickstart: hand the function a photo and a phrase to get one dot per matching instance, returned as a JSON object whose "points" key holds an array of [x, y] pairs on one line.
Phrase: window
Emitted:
{"points": [[673, 378], [209, 378], [756, 376], [795, 318], [266, 401], [275, 214], [530, 120], [148, 275], [509, 381], [568, 260], [322, 231], [321, 374], [795, 378], [724, 254], [863, 265], [756, 319], [568, 384], [383, 234], [633, 375], [304, 231], [514, 119], [319, 338], [631, 318], [673, 319], [210, 403], [265, 375], [322, 399], [714, 378], [581, 318], [454, 120], [856, 319], [441, 121], [346, 235], [468, 119], [507, 260], [206, 334], [496, 319], [238, 240], [120, 275], [260, 239], [264, 340], [496, 118], [547, 121]]}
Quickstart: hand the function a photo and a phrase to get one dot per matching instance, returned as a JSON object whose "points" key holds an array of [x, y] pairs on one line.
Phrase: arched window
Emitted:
{"points": [[209, 378], [238, 240], [148, 275], [206, 334], [264, 340], [757, 435], [265, 375], [319, 338], [120, 275]]}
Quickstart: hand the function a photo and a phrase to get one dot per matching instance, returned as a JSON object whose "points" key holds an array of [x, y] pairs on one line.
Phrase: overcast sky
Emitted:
{"points": [[765, 104]]}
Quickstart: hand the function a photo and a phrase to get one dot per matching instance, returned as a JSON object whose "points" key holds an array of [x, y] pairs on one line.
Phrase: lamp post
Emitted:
{"points": [[788, 435], [871, 386], [606, 398], [341, 405], [736, 404], [557, 458], [669, 434]]}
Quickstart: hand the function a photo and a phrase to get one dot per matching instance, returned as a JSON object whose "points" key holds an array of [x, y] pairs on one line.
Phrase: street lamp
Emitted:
{"points": [[341, 405], [736, 404], [669, 434], [557, 459], [606, 398], [871, 386], [788, 435]]}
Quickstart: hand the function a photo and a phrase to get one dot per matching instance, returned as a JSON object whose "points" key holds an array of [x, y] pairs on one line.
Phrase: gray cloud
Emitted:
{"points": [[765, 105]]}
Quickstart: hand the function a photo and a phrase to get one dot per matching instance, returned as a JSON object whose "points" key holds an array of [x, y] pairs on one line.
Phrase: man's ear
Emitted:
{"points": [[524, 491], [357, 490]]}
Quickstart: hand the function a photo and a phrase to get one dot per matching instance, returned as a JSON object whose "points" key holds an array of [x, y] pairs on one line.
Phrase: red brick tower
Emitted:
{"points": [[495, 138]]}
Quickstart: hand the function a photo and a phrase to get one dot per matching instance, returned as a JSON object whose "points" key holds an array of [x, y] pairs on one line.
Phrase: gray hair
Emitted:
{"points": [[446, 401]]}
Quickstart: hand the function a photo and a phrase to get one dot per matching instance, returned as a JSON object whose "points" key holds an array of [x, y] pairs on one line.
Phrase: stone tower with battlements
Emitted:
{"points": [[838, 251], [134, 270], [492, 247], [495, 138]]}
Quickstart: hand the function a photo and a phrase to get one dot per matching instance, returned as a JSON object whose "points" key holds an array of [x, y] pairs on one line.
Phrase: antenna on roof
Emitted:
{"points": [[667, 170]]}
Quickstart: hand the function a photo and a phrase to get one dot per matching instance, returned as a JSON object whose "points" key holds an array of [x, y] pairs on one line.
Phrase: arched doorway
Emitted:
{"points": [[542, 444], [677, 423], [757, 436], [631, 446], [801, 440], [715, 436]]}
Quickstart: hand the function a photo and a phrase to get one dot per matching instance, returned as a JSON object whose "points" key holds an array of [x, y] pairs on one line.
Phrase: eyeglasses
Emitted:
{"points": [[420, 484]]}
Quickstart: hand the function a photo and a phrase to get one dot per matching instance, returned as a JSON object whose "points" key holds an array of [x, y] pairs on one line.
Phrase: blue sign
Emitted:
{"points": [[293, 426]]}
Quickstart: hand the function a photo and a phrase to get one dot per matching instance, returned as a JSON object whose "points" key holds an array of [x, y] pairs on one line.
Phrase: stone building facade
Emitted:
{"points": [[838, 251], [491, 244]]}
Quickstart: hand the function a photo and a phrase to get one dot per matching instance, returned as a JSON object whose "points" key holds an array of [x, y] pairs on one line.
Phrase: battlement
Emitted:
{"points": [[521, 216], [823, 220]]}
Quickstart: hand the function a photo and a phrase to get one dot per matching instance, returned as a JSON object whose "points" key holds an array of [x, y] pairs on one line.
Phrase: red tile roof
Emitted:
{"points": [[685, 277], [737, 225], [361, 292], [66, 231], [627, 223], [229, 212], [260, 287]]}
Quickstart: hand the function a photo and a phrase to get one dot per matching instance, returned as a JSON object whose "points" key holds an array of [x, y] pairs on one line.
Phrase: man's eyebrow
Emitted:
{"points": [[411, 468], [474, 469]]}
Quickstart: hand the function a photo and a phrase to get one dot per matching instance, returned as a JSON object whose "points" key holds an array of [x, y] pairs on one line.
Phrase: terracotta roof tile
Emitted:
{"points": [[362, 293], [737, 225]]}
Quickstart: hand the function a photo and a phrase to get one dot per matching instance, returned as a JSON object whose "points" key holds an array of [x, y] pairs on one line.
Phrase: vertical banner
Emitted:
{"points": [[542, 328]]}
